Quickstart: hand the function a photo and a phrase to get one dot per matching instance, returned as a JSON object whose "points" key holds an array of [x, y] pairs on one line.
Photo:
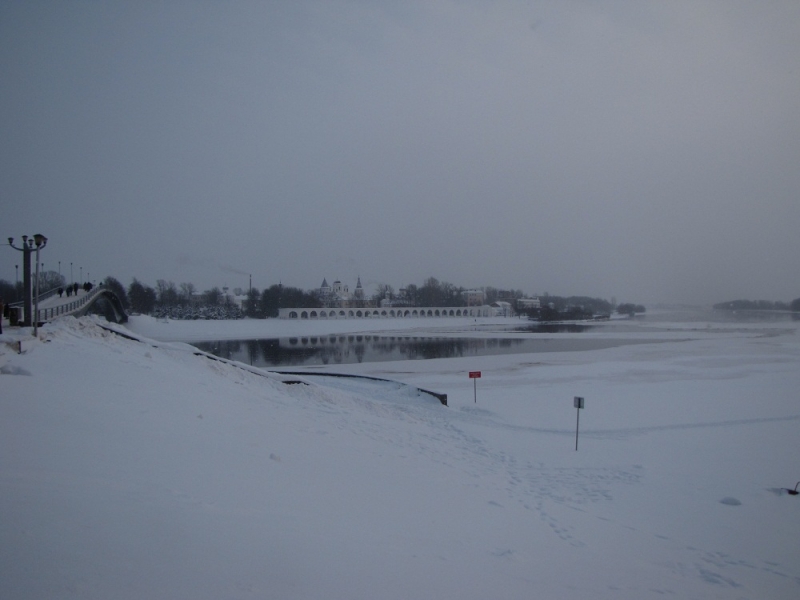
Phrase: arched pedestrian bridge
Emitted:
{"points": [[100, 299]]}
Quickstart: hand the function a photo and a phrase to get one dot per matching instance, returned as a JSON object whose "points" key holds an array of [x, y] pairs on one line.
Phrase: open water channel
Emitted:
{"points": [[356, 348]]}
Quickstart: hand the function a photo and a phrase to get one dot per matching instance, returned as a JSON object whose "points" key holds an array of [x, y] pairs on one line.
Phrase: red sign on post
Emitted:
{"points": [[475, 375]]}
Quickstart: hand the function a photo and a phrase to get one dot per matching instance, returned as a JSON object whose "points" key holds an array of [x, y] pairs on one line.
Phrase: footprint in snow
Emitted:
{"points": [[13, 370], [730, 501]]}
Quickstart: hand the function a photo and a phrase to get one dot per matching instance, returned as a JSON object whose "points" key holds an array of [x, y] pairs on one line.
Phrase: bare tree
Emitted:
{"points": [[49, 280], [167, 293], [142, 297], [212, 296], [187, 293], [384, 291], [115, 286]]}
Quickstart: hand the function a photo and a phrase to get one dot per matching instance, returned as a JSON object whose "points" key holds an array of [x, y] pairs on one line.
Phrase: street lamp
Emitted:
{"points": [[26, 275], [27, 250], [41, 242]]}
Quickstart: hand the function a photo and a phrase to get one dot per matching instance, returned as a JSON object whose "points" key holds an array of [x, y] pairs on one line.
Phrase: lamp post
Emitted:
{"points": [[71, 278], [27, 250], [41, 242], [26, 275]]}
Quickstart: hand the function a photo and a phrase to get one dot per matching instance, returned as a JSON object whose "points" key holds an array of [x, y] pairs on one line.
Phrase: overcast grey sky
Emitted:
{"points": [[647, 150]]}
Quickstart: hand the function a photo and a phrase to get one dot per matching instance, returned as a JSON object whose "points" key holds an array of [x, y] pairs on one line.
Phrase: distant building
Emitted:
{"points": [[474, 297], [501, 308], [358, 294], [338, 295], [528, 303], [401, 298]]}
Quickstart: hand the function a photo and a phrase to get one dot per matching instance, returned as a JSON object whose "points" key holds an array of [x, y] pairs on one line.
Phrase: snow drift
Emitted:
{"points": [[137, 469]]}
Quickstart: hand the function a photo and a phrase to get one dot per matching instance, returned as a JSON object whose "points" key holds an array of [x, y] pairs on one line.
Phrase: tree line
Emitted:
{"points": [[48, 280], [184, 301], [577, 308], [168, 299], [793, 306], [166, 295]]}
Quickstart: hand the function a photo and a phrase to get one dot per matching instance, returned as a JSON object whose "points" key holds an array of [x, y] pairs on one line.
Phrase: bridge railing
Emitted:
{"points": [[46, 314], [49, 293], [42, 296]]}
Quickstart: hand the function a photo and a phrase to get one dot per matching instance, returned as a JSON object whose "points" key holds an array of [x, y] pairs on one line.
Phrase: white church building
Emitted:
{"points": [[338, 295], [339, 303]]}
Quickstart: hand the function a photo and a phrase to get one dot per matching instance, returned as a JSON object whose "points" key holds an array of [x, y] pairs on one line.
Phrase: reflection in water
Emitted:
{"points": [[347, 349], [539, 327]]}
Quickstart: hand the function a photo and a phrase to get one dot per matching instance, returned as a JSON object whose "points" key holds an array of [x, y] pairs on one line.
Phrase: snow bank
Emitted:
{"points": [[140, 470]]}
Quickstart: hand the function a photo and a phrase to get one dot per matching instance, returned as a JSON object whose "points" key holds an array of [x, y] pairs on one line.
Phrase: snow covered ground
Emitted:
{"points": [[137, 469]]}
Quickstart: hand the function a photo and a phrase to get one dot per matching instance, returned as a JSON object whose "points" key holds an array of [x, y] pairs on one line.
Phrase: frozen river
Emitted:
{"points": [[430, 340]]}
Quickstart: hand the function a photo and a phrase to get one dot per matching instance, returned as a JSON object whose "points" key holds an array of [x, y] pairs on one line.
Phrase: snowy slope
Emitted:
{"points": [[140, 470]]}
